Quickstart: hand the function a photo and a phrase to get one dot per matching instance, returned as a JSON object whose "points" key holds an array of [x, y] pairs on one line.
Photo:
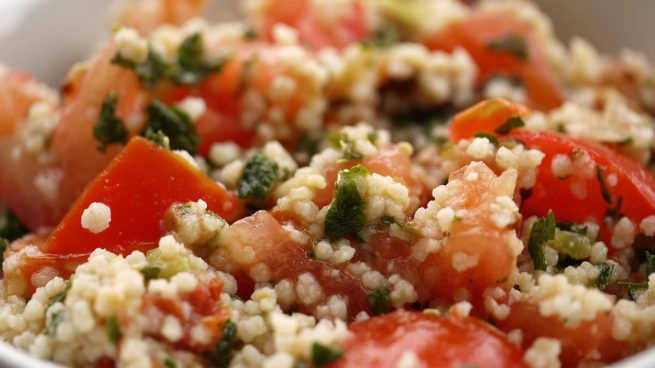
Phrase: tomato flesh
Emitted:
{"points": [[437, 341], [138, 186]]}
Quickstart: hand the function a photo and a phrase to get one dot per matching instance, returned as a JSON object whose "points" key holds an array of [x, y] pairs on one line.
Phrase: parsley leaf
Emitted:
{"points": [[323, 355], [607, 196], [346, 215], [150, 72], [492, 138], [510, 124], [221, 354], [512, 44], [634, 289], [541, 232], [10, 227], [605, 274], [61, 297], [193, 69], [650, 263], [113, 329], [109, 128], [383, 37], [173, 123], [341, 141], [159, 138], [169, 363], [150, 273], [572, 227], [380, 302], [258, 177], [55, 320]]}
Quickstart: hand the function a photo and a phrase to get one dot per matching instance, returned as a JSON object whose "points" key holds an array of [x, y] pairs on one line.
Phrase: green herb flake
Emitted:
{"points": [[150, 273], [510, 124], [542, 231], [109, 129], [10, 227], [193, 68], [626, 142], [492, 138], [615, 212], [250, 34], [346, 215], [159, 138], [61, 296], [650, 263], [173, 123], [605, 274], [258, 177], [55, 319], [572, 227], [323, 355], [634, 289], [221, 354], [512, 44], [383, 37], [169, 363], [380, 302], [113, 329], [150, 72], [604, 191]]}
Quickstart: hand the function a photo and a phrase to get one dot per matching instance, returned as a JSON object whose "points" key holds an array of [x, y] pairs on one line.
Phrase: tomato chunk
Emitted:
{"points": [[586, 194], [478, 31], [437, 341], [138, 187]]}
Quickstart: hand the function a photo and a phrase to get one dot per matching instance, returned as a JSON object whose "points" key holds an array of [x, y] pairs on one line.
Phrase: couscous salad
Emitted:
{"points": [[331, 183]]}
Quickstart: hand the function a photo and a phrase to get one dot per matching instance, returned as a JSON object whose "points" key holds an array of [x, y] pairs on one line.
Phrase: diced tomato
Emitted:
{"points": [[589, 342], [485, 116], [390, 161], [15, 99], [475, 33], [315, 29], [263, 237], [634, 188], [139, 186], [437, 341]]}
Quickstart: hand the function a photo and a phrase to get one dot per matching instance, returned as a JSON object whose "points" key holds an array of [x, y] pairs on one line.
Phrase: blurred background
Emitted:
{"points": [[45, 37]]}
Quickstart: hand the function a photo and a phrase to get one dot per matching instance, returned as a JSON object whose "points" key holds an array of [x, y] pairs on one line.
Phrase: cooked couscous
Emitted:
{"points": [[344, 183]]}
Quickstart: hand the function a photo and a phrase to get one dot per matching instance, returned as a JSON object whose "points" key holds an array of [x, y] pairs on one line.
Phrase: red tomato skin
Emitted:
{"points": [[138, 186], [474, 33], [438, 341], [286, 259], [635, 184], [578, 343]]}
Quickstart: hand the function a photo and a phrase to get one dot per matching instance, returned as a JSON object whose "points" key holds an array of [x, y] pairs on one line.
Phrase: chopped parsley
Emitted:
{"points": [[258, 177], [169, 363], [542, 231], [384, 36], [607, 196], [380, 302], [341, 141], [346, 215], [615, 212], [151, 71], [510, 124], [512, 44], [109, 129], [650, 263], [246, 73], [158, 137], [323, 355], [61, 296], [492, 138], [250, 34], [605, 274], [634, 289], [150, 273], [113, 329], [55, 319], [572, 227], [173, 123], [193, 68], [626, 142], [309, 144], [221, 354], [189, 68]]}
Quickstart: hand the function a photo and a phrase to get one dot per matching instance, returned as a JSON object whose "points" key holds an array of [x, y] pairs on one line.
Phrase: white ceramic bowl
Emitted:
{"points": [[45, 37]]}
